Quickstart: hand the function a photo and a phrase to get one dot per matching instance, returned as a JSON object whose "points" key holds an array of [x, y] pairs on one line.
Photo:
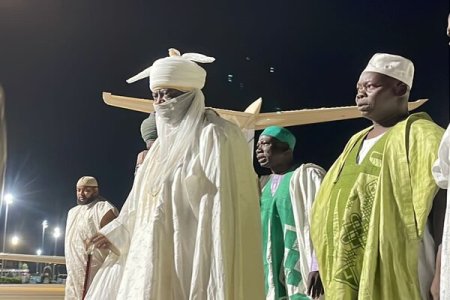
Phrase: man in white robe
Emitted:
{"points": [[190, 227], [83, 221], [441, 172]]}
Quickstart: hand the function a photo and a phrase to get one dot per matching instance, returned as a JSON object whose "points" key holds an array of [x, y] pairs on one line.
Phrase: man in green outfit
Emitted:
{"points": [[369, 221], [290, 268]]}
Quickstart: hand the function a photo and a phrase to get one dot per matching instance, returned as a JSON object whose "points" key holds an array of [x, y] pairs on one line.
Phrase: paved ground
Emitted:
{"points": [[32, 291]]}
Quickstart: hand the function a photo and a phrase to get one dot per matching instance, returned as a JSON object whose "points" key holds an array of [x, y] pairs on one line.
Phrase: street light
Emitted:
{"points": [[14, 242], [56, 235], [44, 226], [38, 253], [9, 198]]}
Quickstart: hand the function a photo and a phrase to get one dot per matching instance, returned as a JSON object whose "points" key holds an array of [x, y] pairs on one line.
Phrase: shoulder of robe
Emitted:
{"points": [[312, 169], [216, 125]]}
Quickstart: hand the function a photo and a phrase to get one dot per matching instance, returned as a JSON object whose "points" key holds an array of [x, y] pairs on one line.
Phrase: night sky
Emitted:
{"points": [[56, 58]]}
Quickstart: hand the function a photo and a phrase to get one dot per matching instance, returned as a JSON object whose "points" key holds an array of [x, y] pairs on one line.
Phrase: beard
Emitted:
{"points": [[86, 201]]}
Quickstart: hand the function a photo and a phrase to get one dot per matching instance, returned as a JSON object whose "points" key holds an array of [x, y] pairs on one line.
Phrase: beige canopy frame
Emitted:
{"points": [[252, 119]]}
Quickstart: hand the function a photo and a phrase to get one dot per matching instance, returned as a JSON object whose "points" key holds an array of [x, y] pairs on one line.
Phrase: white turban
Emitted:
{"points": [[176, 71], [394, 66]]}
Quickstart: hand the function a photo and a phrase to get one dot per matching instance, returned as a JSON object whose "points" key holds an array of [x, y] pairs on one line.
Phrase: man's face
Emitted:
{"points": [[163, 95], [376, 96], [270, 151], [86, 194]]}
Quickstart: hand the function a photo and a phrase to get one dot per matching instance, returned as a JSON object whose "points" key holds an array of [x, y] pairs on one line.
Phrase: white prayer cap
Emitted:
{"points": [[176, 71], [394, 66], [87, 181]]}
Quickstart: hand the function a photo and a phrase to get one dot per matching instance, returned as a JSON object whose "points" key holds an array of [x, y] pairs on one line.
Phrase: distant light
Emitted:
{"points": [[38, 251], [15, 240], [230, 77], [44, 224], [57, 233], [241, 85], [9, 198], [271, 69], [247, 58]]}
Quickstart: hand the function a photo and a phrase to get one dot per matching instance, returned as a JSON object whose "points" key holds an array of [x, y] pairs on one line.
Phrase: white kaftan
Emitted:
{"points": [[83, 221], [190, 228], [441, 173], [304, 185]]}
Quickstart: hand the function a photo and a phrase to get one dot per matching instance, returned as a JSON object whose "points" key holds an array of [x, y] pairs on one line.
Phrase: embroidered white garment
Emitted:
{"points": [[441, 173], [190, 228], [83, 221]]}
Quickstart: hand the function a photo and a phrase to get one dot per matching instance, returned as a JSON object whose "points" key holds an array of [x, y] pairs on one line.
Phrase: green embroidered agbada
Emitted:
{"points": [[280, 245], [368, 219]]}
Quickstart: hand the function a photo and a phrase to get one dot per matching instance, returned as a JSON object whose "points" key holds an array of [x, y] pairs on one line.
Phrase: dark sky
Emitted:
{"points": [[56, 57]]}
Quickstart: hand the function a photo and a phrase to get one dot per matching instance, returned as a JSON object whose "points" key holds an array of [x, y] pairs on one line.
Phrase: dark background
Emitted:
{"points": [[56, 57]]}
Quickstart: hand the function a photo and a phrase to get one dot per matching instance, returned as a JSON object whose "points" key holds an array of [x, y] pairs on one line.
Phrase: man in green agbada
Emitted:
{"points": [[290, 267], [369, 220]]}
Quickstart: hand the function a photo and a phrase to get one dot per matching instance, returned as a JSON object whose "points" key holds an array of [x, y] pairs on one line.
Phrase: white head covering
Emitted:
{"points": [[394, 66], [87, 181], [176, 71]]}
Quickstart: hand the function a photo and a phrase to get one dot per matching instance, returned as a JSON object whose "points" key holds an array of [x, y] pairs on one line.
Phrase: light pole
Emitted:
{"points": [[9, 198], [44, 226], [14, 242], [38, 253], [56, 235]]}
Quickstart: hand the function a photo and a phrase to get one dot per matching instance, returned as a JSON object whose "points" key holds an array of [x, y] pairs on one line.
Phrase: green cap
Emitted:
{"points": [[281, 134]]}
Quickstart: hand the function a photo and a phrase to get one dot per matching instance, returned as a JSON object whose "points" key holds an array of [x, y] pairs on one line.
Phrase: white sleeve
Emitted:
{"points": [[441, 168]]}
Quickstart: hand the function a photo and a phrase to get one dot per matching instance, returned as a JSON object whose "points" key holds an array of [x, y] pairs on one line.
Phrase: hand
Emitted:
{"points": [[100, 241], [435, 287], [141, 157], [315, 287], [436, 284]]}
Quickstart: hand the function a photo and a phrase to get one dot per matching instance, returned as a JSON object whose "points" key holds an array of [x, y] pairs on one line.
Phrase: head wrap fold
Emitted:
{"points": [[281, 134], [176, 71], [148, 128], [394, 66]]}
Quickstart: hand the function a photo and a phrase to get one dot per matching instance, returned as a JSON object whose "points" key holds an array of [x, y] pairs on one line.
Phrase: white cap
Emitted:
{"points": [[176, 71], [394, 66], [87, 181]]}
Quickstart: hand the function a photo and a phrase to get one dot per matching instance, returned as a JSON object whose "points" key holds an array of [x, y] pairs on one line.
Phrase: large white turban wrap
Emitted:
{"points": [[176, 71], [394, 66]]}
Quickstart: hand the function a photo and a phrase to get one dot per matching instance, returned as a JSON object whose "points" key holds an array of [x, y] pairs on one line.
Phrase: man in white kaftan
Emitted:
{"points": [[190, 227], [83, 221], [440, 289], [441, 173]]}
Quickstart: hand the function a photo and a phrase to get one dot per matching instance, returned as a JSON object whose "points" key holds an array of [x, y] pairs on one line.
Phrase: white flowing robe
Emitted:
{"points": [[441, 173], [197, 234], [304, 185], [83, 221]]}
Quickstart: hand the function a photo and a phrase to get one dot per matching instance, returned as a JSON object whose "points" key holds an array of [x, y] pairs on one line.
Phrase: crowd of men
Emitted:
{"points": [[197, 225]]}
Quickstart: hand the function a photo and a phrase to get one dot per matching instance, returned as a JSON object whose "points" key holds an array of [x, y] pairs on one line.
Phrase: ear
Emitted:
{"points": [[400, 89]]}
